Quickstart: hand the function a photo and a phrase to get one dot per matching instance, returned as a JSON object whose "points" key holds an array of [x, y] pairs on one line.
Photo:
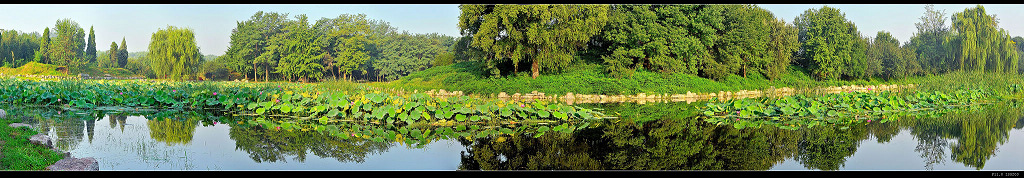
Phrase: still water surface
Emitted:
{"points": [[647, 137]]}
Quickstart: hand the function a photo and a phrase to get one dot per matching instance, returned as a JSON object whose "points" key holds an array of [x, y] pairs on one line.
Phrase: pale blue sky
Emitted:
{"points": [[212, 23]]}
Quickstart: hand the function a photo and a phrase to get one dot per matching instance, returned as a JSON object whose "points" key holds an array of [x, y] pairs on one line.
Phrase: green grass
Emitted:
{"points": [[999, 84], [34, 68], [592, 79], [19, 154]]}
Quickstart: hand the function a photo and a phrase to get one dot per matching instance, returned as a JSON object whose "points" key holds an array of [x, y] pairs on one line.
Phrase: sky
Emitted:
{"points": [[212, 23]]}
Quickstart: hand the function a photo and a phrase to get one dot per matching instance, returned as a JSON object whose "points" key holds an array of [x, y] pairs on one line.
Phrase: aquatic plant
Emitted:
{"points": [[793, 112]]}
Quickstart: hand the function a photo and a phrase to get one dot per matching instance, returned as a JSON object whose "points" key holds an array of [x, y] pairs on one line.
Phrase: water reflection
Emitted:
{"points": [[647, 139], [266, 145]]}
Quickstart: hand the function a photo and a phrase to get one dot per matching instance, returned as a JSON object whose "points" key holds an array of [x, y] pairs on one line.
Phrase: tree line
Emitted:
{"points": [[712, 41], [715, 41], [275, 46], [66, 46]]}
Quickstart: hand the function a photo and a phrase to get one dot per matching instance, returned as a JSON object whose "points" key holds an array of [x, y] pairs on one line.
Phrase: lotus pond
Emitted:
{"points": [[202, 126]]}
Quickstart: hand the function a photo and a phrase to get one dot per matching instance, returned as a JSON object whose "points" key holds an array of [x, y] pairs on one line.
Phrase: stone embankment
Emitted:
{"points": [[69, 163], [689, 97]]}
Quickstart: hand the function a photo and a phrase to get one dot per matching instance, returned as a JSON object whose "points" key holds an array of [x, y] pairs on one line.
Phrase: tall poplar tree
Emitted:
{"points": [[90, 50], [122, 54], [44, 47]]}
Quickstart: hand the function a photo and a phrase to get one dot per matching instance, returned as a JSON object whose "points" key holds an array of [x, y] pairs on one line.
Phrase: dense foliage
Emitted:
{"points": [[67, 48], [273, 46], [706, 40], [17, 48], [173, 53], [546, 36]]}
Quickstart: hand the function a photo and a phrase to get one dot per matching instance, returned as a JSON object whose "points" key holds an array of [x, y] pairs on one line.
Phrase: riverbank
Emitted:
{"points": [[689, 97], [18, 153], [466, 79]]}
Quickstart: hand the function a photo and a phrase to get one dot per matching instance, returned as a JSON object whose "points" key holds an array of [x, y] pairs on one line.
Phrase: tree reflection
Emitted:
{"points": [[980, 134], [172, 131], [654, 141], [826, 148], [271, 145], [117, 120]]}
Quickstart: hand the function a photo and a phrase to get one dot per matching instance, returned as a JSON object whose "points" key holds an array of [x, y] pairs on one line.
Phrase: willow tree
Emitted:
{"points": [[173, 53], [982, 45], [976, 31], [547, 36]]}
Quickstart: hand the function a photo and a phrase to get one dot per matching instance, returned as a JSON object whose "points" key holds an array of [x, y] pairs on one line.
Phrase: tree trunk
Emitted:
{"points": [[535, 68], [744, 71]]}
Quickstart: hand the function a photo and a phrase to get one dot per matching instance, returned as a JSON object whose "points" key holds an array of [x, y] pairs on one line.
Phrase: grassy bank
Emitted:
{"points": [[592, 79], [19, 154], [998, 84], [34, 68]]}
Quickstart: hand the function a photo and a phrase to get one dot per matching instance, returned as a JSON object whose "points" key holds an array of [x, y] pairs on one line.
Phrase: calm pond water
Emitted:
{"points": [[662, 136]]}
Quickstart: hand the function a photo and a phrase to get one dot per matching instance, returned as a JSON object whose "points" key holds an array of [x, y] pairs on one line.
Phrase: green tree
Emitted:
{"points": [[932, 42], [663, 38], [748, 31], [828, 42], [68, 47], [545, 35], [886, 50], [350, 41], [300, 53], [405, 53], [17, 48], [44, 47], [90, 50], [173, 53], [1019, 44], [443, 59], [783, 44], [982, 45], [113, 59], [252, 44], [122, 54]]}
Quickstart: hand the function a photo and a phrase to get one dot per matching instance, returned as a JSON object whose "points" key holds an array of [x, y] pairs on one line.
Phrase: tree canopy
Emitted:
{"points": [[545, 35], [173, 53]]}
